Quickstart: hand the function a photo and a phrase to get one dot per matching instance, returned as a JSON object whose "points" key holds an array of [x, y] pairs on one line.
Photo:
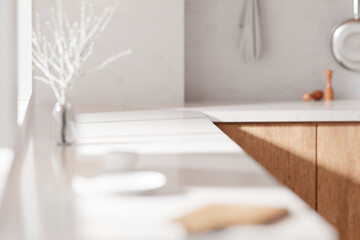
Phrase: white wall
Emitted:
{"points": [[24, 49], [296, 36], [8, 77], [153, 74]]}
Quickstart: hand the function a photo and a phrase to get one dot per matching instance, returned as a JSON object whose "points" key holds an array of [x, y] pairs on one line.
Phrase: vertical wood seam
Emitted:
{"points": [[316, 167]]}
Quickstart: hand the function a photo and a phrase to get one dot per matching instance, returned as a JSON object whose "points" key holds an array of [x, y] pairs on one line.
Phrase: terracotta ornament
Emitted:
{"points": [[328, 92], [306, 97], [317, 95]]}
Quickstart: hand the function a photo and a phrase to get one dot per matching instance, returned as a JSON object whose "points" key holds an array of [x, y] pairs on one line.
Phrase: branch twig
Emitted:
{"points": [[61, 59]]}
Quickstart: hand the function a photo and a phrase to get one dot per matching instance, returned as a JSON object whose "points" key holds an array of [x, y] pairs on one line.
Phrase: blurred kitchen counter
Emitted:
{"points": [[202, 166], [286, 111]]}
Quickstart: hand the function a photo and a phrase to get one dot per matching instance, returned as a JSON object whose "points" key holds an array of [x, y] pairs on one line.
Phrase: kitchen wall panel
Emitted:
{"points": [[296, 42], [8, 73], [153, 74]]}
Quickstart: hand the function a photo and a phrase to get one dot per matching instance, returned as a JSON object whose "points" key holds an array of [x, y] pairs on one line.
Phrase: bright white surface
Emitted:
{"points": [[6, 162], [145, 132], [297, 111], [154, 73], [22, 107], [24, 20], [133, 182], [201, 165], [297, 50]]}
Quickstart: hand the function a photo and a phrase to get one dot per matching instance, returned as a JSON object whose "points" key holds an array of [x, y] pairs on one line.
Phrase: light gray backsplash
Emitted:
{"points": [[296, 38], [153, 74]]}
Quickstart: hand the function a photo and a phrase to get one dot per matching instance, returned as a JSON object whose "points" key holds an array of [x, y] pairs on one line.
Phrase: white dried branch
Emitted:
{"points": [[53, 87], [45, 70], [42, 79], [61, 59], [108, 61]]}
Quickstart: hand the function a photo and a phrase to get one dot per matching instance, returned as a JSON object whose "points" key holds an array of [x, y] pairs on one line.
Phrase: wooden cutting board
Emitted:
{"points": [[214, 217]]}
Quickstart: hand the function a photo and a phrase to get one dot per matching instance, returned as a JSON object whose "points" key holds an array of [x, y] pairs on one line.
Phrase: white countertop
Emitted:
{"points": [[202, 166], [297, 111]]}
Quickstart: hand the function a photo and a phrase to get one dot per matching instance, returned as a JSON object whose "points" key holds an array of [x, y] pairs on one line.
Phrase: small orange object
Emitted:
{"points": [[306, 97], [328, 92], [317, 95]]}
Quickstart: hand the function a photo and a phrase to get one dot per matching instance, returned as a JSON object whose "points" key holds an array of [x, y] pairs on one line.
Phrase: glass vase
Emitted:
{"points": [[63, 127]]}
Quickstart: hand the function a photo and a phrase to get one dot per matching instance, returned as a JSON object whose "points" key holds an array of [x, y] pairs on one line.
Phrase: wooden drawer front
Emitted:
{"points": [[338, 185]]}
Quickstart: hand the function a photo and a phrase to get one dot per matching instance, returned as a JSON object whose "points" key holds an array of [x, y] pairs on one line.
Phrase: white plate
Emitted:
{"points": [[122, 183]]}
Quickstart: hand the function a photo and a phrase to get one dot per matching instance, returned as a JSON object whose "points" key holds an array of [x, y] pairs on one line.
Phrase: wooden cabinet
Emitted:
{"points": [[288, 151], [318, 161], [338, 188]]}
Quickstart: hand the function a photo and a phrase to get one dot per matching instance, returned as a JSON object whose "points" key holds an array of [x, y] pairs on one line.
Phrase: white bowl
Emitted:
{"points": [[120, 161], [134, 182]]}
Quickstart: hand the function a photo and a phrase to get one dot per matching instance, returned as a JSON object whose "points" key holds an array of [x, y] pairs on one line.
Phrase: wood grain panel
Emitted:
{"points": [[339, 177], [288, 151]]}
